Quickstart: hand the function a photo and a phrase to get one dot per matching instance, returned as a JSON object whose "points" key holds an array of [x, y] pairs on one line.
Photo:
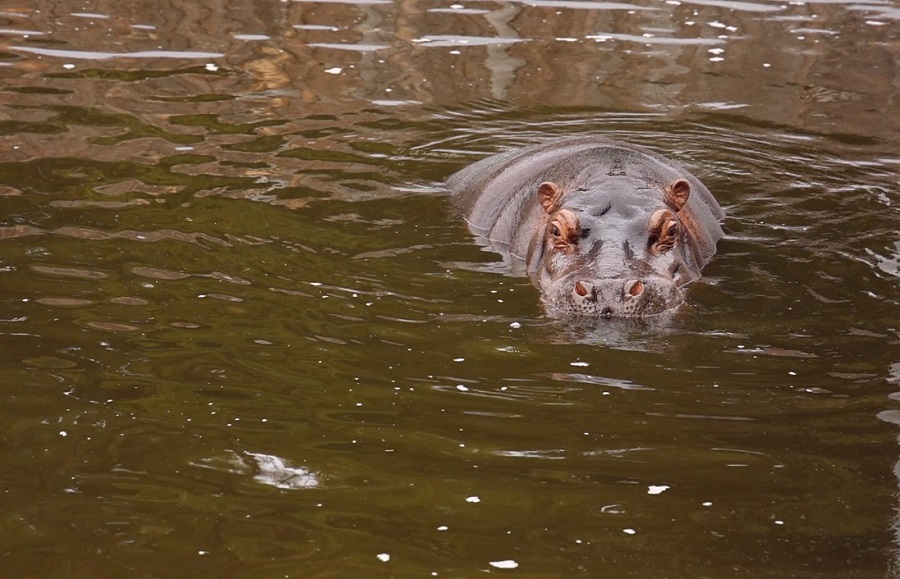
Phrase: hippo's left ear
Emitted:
{"points": [[549, 195], [677, 193]]}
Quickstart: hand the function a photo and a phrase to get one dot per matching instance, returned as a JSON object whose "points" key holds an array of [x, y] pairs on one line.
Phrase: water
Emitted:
{"points": [[244, 332]]}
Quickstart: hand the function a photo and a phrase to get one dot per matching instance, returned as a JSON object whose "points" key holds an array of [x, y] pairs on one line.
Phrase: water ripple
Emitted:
{"points": [[92, 55]]}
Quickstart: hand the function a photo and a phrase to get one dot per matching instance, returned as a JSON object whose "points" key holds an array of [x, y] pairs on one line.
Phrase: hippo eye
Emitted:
{"points": [[663, 231], [563, 230]]}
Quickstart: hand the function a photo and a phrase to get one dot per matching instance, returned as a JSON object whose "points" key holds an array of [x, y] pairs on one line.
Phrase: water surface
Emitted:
{"points": [[244, 332]]}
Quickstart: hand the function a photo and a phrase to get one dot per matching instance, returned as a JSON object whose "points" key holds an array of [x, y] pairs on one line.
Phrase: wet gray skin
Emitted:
{"points": [[602, 228]]}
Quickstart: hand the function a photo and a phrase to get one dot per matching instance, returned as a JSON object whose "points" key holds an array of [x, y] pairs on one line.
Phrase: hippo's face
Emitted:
{"points": [[616, 247]]}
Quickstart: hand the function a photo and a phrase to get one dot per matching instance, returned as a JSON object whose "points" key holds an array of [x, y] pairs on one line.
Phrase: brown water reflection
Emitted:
{"points": [[243, 332]]}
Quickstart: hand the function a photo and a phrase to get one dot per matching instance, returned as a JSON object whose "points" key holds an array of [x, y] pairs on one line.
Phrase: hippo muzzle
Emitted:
{"points": [[616, 297]]}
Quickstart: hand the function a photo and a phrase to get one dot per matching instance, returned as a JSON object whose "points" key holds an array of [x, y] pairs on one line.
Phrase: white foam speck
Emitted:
{"points": [[335, 70], [473, 499], [505, 564], [657, 489], [384, 557]]}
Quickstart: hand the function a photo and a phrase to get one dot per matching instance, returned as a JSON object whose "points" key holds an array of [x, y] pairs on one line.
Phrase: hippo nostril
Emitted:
{"points": [[585, 290], [634, 288]]}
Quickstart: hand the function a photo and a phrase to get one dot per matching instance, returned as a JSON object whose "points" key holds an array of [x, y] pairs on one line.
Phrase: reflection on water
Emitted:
{"points": [[266, 469], [228, 271], [893, 417]]}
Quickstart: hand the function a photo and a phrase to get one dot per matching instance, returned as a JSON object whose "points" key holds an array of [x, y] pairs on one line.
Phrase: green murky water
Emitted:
{"points": [[244, 333]]}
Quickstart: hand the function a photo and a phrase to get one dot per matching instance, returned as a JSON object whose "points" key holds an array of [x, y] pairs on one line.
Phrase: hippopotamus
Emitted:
{"points": [[602, 228]]}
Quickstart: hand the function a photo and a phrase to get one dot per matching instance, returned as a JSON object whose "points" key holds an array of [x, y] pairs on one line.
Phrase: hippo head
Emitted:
{"points": [[616, 247]]}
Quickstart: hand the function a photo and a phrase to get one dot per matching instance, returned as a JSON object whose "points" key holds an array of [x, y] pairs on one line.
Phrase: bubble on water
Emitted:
{"points": [[473, 499], [580, 364], [334, 70], [515, 325], [383, 557], [443, 528], [211, 67], [629, 531], [461, 388], [657, 489]]}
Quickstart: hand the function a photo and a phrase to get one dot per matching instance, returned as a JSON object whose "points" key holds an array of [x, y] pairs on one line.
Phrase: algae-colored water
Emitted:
{"points": [[244, 333]]}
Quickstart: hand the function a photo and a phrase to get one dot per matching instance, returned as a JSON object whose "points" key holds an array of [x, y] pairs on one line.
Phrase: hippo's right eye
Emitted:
{"points": [[563, 231]]}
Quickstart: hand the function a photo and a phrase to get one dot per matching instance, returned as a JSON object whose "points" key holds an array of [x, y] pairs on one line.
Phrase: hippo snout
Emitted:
{"points": [[622, 297]]}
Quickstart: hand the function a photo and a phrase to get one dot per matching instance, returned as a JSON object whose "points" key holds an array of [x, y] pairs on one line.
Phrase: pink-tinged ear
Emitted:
{"points": [[677, 193], [549, 195]]}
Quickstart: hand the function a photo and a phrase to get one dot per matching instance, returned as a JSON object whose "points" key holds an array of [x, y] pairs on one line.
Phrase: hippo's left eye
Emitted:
{"points": [[554, 230], [663, 231]]}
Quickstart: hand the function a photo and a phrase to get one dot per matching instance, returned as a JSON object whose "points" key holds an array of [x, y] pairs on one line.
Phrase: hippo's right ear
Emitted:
{"points": [[549, 195]]}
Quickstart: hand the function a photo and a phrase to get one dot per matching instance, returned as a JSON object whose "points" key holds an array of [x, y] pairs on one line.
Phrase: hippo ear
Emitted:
{"points": [[677, 193], [549, 195]]}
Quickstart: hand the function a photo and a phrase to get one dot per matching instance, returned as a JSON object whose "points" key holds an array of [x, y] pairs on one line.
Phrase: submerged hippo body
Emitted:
{"points": [[603, 228]]}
